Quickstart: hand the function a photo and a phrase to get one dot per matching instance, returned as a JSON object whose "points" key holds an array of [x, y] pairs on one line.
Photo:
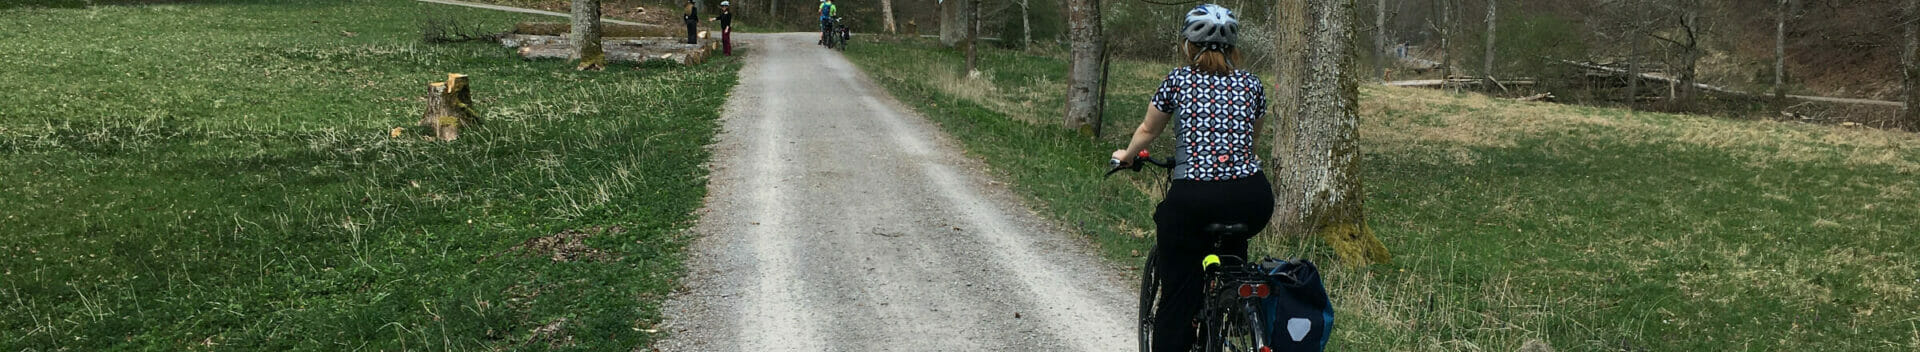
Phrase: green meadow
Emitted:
{"points": [[226, 175]]}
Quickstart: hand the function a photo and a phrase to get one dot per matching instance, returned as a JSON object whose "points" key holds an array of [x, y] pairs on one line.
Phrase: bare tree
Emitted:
{"points": [[953, 21], [1487, 65], [1635, 42], [1444, 29], [1026, 23], [973, 37], [886, 16], [585, 35], [1322, 175], [1780, 56], [1910, 67], [1085, 84], [1380, 40], [1688, 43]]}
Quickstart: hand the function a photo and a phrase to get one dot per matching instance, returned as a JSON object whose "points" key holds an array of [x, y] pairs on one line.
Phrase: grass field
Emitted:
{"points": [[220, 175], [1588, 229]]}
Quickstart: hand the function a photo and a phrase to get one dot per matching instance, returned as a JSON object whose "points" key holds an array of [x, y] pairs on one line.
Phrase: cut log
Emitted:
{"points": [[606, 29], [449, 107], [617, 50]]}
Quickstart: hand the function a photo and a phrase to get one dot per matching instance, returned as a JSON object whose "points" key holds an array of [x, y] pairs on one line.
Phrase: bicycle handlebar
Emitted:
{"points": [[1116, 166]]}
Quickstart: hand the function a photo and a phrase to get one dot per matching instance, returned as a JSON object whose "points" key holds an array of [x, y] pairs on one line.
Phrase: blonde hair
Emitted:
{"points": [[1214, 62]]}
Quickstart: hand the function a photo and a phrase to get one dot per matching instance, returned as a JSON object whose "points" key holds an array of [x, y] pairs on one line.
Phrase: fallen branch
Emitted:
{"points": [[1537, 97]]}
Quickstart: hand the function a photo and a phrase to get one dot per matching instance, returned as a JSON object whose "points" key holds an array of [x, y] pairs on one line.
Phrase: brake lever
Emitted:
{"points": [[1114, 166]]}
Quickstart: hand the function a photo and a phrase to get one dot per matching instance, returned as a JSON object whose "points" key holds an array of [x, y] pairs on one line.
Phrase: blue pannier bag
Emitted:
{"points": [[1298, 315]]}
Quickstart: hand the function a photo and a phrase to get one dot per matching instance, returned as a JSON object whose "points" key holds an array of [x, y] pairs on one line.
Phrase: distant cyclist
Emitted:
{"points": [[1216, 111], [827, 12]]}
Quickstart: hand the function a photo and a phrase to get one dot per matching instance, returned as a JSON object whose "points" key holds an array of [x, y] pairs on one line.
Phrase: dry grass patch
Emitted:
{"points": [[1410, 119]]}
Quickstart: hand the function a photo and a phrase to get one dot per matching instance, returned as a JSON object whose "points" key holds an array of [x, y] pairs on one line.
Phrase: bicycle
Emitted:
{"points": [[1234, 313], [836, 34]]}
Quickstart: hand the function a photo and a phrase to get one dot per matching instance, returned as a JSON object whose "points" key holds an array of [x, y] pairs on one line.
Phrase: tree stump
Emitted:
{"points": [[449, 107]]}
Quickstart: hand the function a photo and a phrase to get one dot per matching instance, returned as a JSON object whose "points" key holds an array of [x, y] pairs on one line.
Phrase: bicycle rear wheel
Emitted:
{"points": [[1231, 330], [1149, 295]]}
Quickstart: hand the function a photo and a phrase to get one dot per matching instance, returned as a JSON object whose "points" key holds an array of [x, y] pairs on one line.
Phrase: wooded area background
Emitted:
{"points": [[1831, 48]]}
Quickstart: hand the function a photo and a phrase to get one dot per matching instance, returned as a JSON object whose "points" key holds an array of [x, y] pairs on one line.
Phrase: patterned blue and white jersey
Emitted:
{"points": [[1213, 122]]}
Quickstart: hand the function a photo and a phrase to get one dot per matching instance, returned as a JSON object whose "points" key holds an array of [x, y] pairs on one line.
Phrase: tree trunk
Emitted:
{"points": [[973, 38], [585, 36], [449, 107], [1088, 54], [1780, 58], [886, 16], [1634, 41], [1486, 68], [1446, 34], [1380, 40], [1910, 67], [1323, 174], [1289, 31], [1690, 58], [773, 8], [1026, 24], [953, 21]]}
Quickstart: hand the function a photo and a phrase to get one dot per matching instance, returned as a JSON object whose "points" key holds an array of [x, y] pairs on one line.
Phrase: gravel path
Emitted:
{"points": [[840, 221]]}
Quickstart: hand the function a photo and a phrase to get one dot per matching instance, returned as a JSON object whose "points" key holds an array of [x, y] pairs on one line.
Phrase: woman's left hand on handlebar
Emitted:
{"points": [[1123, 156]]}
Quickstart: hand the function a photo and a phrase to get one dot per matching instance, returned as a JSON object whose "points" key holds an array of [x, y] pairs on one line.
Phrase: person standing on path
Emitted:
{"points": [[827, 11], [693, 20], [726, 28]]}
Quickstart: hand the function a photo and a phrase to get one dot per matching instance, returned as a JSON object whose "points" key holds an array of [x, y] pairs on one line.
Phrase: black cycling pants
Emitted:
{"points": [[1181, 221]]}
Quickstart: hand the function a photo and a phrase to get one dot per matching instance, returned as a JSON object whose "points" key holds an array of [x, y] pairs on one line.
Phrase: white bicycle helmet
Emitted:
{"points": [[1211, 24], [723, 3]]}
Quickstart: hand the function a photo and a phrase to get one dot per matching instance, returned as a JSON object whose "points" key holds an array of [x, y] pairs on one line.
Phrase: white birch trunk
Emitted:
{"points": [[1026, 24], [886, 16], [1088, 57]]}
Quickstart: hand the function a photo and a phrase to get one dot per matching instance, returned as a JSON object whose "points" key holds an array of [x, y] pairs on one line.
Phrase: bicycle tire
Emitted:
{"points": [[1149, 295]]}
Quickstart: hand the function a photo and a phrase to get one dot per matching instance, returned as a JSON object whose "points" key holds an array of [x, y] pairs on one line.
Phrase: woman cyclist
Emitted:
{"points": [[1216, 110]]}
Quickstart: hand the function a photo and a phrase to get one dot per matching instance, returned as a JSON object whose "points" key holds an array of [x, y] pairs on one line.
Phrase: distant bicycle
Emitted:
{"points": [[837, 35], [1271, 305]]}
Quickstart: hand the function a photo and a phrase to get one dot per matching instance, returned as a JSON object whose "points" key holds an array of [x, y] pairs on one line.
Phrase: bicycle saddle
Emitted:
{"points": [[1225, 229]]}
